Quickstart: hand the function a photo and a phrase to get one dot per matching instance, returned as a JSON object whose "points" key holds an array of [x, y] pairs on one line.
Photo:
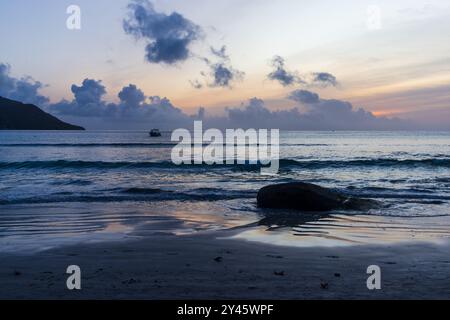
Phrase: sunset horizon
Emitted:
{"points": [[361, 55], [225, 158]]}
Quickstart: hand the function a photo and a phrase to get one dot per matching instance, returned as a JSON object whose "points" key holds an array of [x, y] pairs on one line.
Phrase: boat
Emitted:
{"points": [[155, 133]]}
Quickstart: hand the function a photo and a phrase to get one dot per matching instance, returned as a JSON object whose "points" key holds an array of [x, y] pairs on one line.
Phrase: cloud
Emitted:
{"points": [[201, 113], [168, 41], [133, 111], [137, 111], [90, 92], [324, 79], [332, 114], [221, 53], [7, 84], [304, 96], [312, 113], [131, 96], [87, 101], [287, 78], [256, 115], [24, 89], [280, 74], [168, 36], [221, 73]]}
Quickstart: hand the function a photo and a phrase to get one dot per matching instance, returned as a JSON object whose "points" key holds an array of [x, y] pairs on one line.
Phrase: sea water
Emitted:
{"points": [[60, 187]]}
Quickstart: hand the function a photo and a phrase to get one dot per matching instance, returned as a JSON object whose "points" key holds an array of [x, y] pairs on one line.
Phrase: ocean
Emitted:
{"points": [[59, 188]]}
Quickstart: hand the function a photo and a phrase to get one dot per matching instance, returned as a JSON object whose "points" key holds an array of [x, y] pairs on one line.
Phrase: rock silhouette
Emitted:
{"points": [[309, 197]]}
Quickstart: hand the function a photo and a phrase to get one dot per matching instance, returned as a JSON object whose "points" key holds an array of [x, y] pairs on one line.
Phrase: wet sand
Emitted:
{"points": [[212, 266]]}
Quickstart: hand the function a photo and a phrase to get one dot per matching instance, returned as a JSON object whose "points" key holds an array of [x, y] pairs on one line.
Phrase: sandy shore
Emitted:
{"points": [[209, 267]]}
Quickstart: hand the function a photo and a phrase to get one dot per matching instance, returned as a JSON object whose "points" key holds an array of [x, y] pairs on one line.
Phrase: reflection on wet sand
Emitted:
{"points": [[305, 230], [277, 219], [44, 226]]}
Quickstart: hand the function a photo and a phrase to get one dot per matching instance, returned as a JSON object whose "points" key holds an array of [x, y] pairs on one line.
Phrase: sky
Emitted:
{"points": [[371, 64]]}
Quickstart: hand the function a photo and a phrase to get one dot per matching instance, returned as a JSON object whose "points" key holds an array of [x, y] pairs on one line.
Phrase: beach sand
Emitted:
{"points": [[212, 266]]}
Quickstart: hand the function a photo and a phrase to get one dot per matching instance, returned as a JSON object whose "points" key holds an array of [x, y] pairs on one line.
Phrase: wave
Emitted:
{"points": [[67, 164], [83, 164], [138, 195], [89, 145], [381, 162], [284, 163], [403, 196], [75, 182], [143, 191], [135, 145]]}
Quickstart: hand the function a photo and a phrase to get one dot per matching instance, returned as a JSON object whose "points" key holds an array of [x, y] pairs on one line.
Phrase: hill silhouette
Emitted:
{"points": [[15, 115]]}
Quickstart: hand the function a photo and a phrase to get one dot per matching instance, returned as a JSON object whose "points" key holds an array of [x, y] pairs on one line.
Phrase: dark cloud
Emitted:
{"points": [[131, 96], [324, 79], [137, 111], [7, 84], [134, 110], [304, 96], [90, 92], [224, 75], [169, 36], [313, 113], [201, 113], [221, 53], [254, 112], [280, 73], [287, 78], [221, 73], [87, 101], [24, 89]]}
